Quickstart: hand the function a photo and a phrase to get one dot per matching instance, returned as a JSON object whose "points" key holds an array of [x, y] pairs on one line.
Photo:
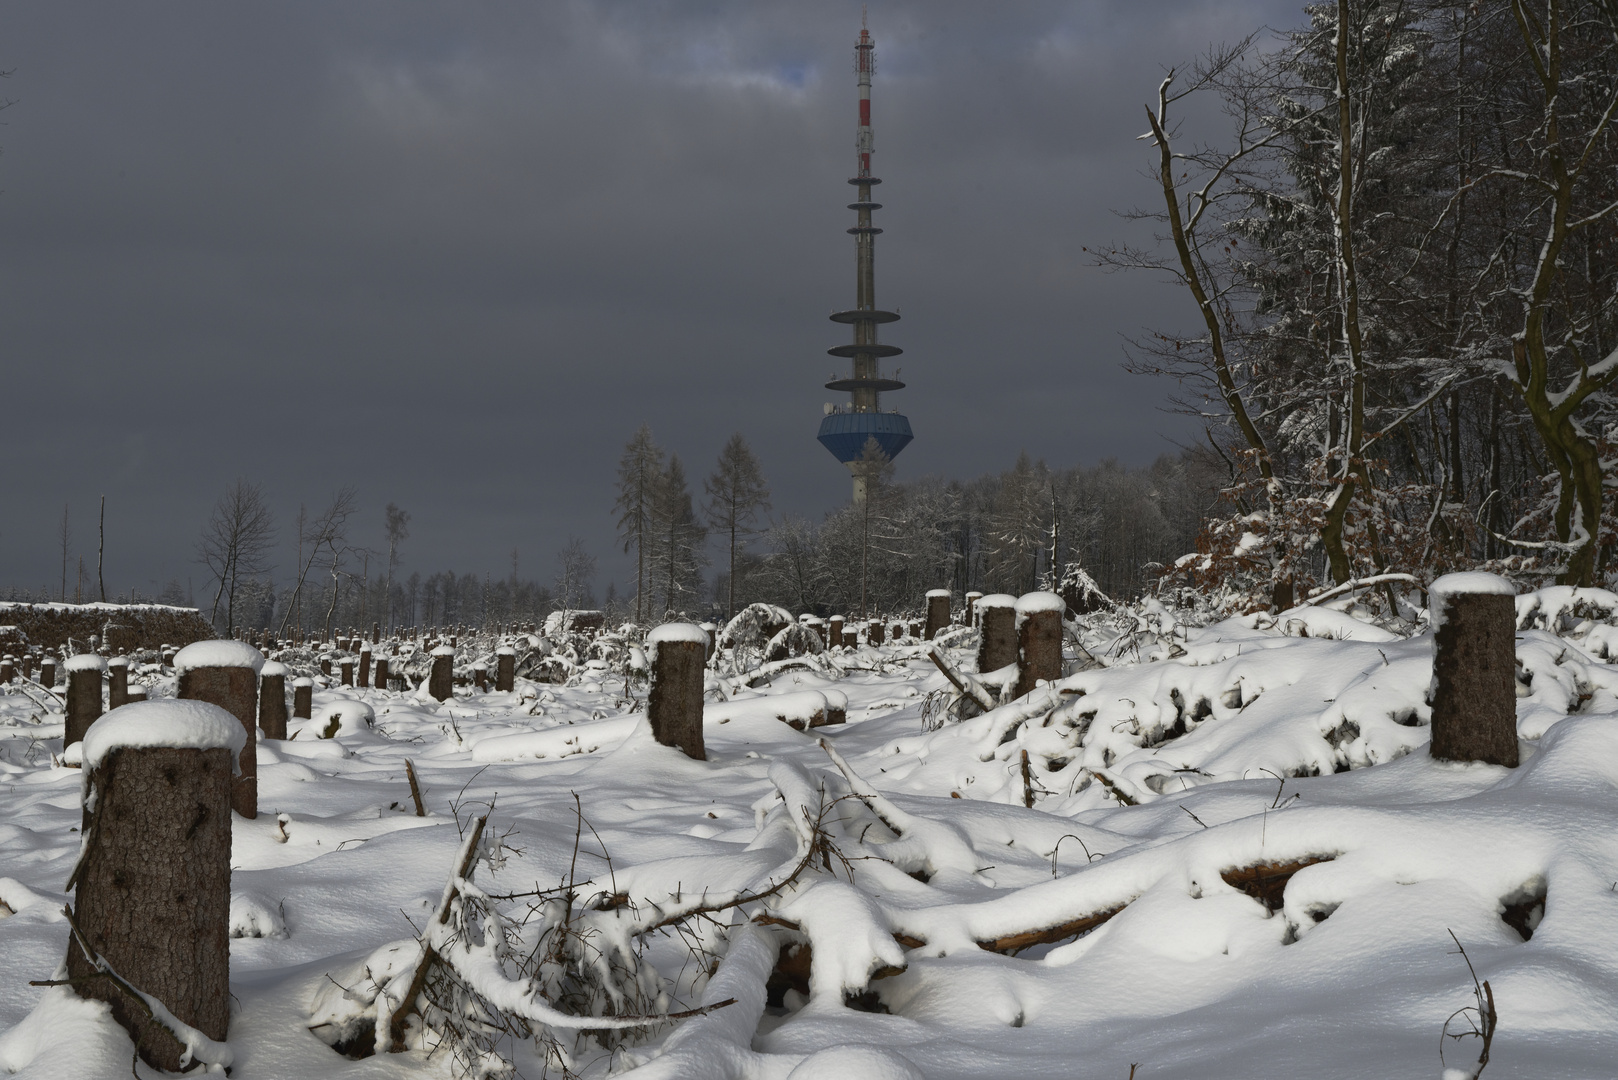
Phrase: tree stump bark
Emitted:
{"points": [[971, 612], [47, 673], [136, 693], [674, 703], [441, 683], [234, 689], [365, 666], [1474, 669], [83, 696], [480, 677], [8, 670], [379, 679], [873, 632], [153, 892], [272, 701], [937, 613], [997, 616], [376, 633], [303, 699], [345, 667], [505, 671], [834, 628], [117, 682], [325, 666], [1039, 639]]}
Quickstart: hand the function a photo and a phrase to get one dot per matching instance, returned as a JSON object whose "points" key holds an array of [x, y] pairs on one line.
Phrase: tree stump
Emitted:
{"points": [[971, 611], [937, 613], [8, 669], [376, 633], [674, 703], [225, 674], [117, 682], [1039, 639], [1474, 669], [136, 693], [345, 667], [325, 666], [303, 698], [873, 632], [997, 617], [272, 700], [47, 672], [380, 678], [152, 888], [480, 676], [83, 695], [505, 670], [365, 665], [834, 629], [441, 683]]}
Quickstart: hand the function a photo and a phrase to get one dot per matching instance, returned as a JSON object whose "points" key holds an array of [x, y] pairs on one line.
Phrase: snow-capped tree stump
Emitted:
{"points": [[25, 665], [8, 669], [441, 683], [480, 676], [674, 703], [834, 630], [365, 665], [135, 693], [997, 616], [47, 672], [272, 700], [1039, 639], [303, 698], [937, 612], [117, 682], [345, 668], [970, 613], [505, 669], [83, 695], [325, 666], [152, 887], [225, 673], [379, 678], [1474, 669], [376, 633], [873, 632]]}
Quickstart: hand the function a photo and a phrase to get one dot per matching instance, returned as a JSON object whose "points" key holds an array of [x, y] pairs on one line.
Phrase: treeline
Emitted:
{"points": [[1404, 262]]}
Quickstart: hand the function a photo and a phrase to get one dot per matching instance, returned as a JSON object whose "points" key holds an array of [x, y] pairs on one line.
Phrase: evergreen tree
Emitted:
{"points": [[736, 495], [640, 473], [678, 537]]}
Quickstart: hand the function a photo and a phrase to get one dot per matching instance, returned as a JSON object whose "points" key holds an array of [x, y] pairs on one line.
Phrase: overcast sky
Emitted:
{"points": [[455, 253]]}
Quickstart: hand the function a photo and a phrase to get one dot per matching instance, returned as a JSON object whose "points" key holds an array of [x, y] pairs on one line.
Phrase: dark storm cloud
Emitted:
{"points": [[454, 254]]}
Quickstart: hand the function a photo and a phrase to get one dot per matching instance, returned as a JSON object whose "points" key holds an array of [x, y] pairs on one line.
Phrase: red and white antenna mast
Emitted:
{"points": [[864, 64]]}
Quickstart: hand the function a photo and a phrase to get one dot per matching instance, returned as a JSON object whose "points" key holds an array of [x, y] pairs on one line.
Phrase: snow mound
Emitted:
{"points": [[193, 725], [205, 654], [856, 1063]]}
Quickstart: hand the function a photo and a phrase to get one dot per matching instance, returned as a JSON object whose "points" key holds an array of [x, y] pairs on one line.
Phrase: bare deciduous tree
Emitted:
{"points": [[235, 544]]}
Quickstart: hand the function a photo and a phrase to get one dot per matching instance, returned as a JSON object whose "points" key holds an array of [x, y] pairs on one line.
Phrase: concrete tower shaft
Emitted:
{"points": [[860, 434]]}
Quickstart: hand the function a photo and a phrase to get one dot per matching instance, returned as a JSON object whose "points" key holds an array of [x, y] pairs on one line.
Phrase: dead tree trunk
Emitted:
{"points": [[117, 682], [272, 701], [997, 614], [228, 678], [83, 695], [441, 683], [153, 892], [1474, 669], [674, 703], [1039, 640]]}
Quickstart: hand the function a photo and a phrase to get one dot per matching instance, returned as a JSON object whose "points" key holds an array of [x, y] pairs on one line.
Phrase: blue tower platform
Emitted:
{"points": [[845, 433]]}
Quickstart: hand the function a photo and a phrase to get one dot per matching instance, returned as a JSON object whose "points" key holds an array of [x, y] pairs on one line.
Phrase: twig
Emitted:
{"points": [[1027, 782]]}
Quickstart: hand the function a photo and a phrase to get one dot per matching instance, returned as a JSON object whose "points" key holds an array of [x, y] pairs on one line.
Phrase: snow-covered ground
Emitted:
{"points": [[898, 847]]}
